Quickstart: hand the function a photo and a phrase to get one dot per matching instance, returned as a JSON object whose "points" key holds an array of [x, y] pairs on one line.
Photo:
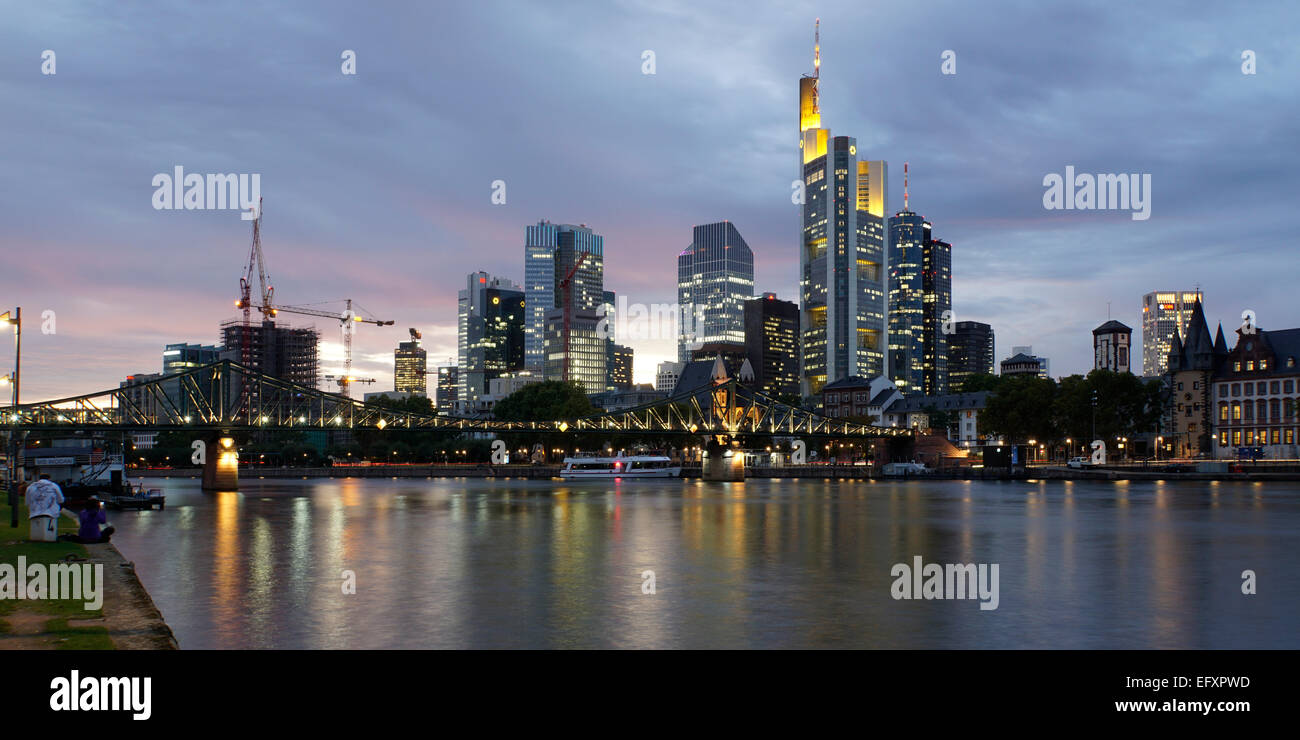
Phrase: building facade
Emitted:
{"points": [[715, 276], [618, 370], [410, 363], [666, 375], [1257, 396], [490, 332], [448, 391], [970, 352], [843, 243], [1110, 347], [1194, 360], [178, 358], [1165, 315], [588, 352], [280, 350], [772, 344], [551, 251], [920, 305]]}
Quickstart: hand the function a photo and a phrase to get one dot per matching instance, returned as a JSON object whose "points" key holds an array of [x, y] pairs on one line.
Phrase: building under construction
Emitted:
{"points": [[282, 351]]}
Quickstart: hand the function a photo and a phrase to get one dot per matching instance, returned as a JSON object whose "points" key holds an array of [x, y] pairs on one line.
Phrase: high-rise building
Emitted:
{"points": [[277, 350], [666, 375], [970, 352], [181, 357], [843, 243], [490, 333], [448, 388], [1110, 347], [920, 304], [1165, 314], [715, 276], [588, 352], [550, 252], [772, 344], [1023, 361], [409, 365], [618, 371]]}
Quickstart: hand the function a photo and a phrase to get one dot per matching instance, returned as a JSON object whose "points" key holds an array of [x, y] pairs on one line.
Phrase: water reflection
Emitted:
{"points": [[766, 563]]}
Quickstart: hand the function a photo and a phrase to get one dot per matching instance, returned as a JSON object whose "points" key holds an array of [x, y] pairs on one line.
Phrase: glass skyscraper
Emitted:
{"points": [[490, 333], [841, 253], [715, 276], [550, 251], [1165, 313], [409, 363], [920, 300]]}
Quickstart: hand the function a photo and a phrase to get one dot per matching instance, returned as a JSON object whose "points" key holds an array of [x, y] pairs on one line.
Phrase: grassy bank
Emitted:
{"points": [[44, 623]]}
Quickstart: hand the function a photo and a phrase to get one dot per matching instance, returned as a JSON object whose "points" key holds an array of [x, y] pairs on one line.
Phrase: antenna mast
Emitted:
{"points": [[905, 186]]}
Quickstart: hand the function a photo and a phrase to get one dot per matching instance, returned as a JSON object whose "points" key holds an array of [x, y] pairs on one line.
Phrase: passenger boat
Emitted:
{"points": [[622, 466]]}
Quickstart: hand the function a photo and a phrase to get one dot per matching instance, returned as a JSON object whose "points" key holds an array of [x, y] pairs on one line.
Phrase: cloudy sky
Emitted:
{"points": [[378, 185]]}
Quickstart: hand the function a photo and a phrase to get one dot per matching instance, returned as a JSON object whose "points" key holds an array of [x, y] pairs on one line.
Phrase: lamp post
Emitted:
{"points": [[15, 318]]}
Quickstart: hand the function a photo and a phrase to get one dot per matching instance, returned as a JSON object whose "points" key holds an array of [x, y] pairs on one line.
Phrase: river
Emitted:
{"points": [[770, 563]]}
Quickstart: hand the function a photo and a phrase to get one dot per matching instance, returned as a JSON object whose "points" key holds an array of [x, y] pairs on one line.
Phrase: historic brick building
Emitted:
{"points": [[1256, 393], [1194, 362]]}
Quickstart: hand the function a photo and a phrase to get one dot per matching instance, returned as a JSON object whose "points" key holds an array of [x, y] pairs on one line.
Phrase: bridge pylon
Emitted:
{"points": [[220, 463], [722, 460]]}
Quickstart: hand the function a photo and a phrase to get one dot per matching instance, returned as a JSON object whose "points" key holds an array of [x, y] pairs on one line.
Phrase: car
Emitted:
{"points": [[1079, 462]]}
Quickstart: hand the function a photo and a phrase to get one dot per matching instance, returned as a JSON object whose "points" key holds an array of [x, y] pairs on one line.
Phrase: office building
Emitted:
{"points": [[970, 352], [715, 276], [666, 375], [551, 252], [409, 368], [1165, 314], [588, 350], [448, 391], [1110, 347], [920, 301], [1256, 390], [490, 332], [618, 370], [843, 243], [772, 344], [178, 358]]}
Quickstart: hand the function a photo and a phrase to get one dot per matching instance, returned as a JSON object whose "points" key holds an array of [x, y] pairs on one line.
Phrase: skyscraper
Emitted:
{"points": [[920, 303], [1165, 314], [618, 363], [588, 352], [970, 352], [409, 365], [550, 252], [715, 276], [842, 250], [279, 350], [448, 388], [772, 344], [490, 333], [936, 287]]}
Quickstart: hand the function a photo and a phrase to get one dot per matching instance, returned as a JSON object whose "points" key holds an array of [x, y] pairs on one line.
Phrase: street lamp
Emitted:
{"points": [[14, 318]]}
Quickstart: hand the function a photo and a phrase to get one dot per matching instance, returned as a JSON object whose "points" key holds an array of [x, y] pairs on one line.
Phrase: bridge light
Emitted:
{"points": [[263, 419], [187, 420], [381, 425], [302, 418], [227, 442], [564, 426]]}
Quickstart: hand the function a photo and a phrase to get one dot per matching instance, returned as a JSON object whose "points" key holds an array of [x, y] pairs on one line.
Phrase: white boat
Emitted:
{"points": [[622, 466]]}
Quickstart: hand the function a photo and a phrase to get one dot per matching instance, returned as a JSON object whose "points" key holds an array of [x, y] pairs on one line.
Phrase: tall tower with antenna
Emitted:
{"points": [[842, 248]]}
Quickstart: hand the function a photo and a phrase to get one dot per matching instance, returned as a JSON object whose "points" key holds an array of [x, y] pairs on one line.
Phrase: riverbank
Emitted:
{"points": [[814, 471], [127, 620]]}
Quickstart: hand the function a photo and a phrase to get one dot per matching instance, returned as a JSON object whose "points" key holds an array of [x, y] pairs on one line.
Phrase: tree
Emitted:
{"points": [[980, 382], [550, 400], [1021, 409]]}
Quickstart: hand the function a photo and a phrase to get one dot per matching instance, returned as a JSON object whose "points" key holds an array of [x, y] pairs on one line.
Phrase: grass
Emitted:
{"points": [[13, 545]]}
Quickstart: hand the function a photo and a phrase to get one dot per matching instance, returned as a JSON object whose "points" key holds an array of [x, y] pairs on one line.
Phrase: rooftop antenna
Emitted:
{"points": [[905, 186], [817, 49]]}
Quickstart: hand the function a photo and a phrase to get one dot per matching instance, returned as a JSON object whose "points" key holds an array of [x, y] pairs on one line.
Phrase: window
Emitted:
{"points": [[1290, 436], [1250, 365], [1261, 410], [1236, 411], [1261, 388], [1236, 367], [1274, 409], [1263, 365], [1180, 386], [1236, 438], [1223, 391], [1276, 436], [1274, 387], [1250, 389], [1223, 412], [1250, 410], [1236, 389], [1288, 386]]}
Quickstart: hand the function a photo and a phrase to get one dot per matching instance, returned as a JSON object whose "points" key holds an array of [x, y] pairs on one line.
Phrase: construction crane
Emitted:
{"points": [[344, 381], [568, 311], [415, 334], [347, 320], [269, 310]]}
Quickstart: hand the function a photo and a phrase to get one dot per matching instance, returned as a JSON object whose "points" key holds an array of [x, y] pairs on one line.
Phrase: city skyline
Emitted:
{"points": [[382, 220]]}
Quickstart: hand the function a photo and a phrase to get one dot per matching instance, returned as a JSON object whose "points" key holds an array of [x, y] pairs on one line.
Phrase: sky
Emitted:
{"points": [[378, 186]]}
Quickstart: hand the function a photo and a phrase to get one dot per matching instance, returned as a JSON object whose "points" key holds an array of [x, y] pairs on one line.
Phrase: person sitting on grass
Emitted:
{"points": [[91, 517]]}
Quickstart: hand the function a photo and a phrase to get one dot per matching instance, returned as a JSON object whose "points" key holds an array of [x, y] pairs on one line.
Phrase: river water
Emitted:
{"points": [[474, 563]]}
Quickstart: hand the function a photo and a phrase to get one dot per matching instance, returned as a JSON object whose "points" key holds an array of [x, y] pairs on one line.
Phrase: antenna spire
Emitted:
{"points": [[905, 186], [817, 49]]}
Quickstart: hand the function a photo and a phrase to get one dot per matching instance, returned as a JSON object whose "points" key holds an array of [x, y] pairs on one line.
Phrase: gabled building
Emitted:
{"points": [[1193, 362], [1256, 393]]}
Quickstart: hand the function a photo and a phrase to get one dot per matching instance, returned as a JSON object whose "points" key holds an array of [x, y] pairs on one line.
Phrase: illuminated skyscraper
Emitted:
{"points": [[842, 251], [970, 352], [550, 252], [771, 343], [490, 333], [715, 276], [409, 363], [1165, 313], [920, 304]]}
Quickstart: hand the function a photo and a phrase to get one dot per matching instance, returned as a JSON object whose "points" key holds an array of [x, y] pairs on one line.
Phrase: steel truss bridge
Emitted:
{"points": [[224, 397]]}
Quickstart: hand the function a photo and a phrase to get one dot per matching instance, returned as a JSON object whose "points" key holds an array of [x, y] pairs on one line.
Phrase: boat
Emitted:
{"points": [[583, 467], [138, 497], [904, 469]]}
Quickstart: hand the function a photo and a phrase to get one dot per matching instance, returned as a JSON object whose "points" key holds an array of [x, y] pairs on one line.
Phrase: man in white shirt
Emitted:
{"points": [[44, 502]]}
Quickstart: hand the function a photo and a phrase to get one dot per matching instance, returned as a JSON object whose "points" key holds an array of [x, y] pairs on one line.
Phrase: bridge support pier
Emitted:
{"points": [[220, 464], [722, 462]]}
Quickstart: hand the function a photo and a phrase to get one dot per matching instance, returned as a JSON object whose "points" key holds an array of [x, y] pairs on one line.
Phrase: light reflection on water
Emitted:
{"points": [[768, 563]]}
